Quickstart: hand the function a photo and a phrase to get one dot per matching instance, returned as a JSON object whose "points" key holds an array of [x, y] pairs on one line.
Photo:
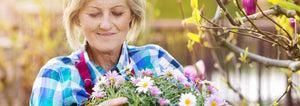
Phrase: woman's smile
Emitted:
{"points": [[107, 34]]}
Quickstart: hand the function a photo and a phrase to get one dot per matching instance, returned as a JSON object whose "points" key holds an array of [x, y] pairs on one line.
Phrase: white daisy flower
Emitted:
{"points": [[169, 72], [101, 81], [98, 93], [144, 84], [187, 99]]}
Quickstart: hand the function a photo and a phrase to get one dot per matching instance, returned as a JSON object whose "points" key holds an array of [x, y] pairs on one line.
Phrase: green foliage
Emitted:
{"points": [[194, 4], [243, 56], [275, 104], [284, 22], [286, 4], [194, 37], [170, 91]]}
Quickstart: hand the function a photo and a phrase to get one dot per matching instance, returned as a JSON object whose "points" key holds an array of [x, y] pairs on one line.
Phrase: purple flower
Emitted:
{"points": [[181, 78], [163, 101], [214, 100], [135, 80], [99, 95], [187, 85], [249, 6], [146, 72], [292, 22], [211, 90], [155, 91], [119, 81], [187, 73], [143, 72], [191, 72], [111, 76]]}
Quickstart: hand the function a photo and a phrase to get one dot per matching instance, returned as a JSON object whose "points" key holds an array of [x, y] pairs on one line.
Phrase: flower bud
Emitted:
{"points": [[249, 6], [292, 22]]}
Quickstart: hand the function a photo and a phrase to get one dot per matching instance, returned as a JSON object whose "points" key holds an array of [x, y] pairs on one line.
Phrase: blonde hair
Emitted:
{"points": [[73, 32]]}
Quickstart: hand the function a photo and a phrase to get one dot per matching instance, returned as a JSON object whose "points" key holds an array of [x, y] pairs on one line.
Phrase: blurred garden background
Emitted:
{"points": [[31, 33]]}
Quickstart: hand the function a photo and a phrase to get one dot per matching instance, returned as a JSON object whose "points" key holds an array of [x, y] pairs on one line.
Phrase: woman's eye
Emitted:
{"points": [[117, 13], [94, 14]]}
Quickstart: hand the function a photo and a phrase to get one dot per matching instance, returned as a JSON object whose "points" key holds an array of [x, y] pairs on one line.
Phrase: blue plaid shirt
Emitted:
{"points": [[59, 82]]}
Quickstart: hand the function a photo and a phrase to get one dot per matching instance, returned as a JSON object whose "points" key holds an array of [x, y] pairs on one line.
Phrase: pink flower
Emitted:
{"points": [[191, 72], [249, 6], [163, 101], [135, 80], [119, 81], [155, 91], [211, 90], [292, 22], [146, 72], [99, 95], [214, 100], [111, 75], [187, 85], [181, 78]]}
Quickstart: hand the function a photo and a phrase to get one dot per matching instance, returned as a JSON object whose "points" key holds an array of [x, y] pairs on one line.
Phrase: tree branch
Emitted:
{"points": [[231, 20], [293, 65], [276, 10]]}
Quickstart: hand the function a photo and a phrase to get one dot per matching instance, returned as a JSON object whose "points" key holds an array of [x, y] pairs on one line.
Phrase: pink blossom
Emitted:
{"points": [[111, 75], [143, 72], [214, 100], [292, 22], [191, 72], [249, 6], [163, 101], [135, 80], [98, 95], [155, 91], [181, 78], [119, 81], [211, 89], [146, 72], [187, 85]]}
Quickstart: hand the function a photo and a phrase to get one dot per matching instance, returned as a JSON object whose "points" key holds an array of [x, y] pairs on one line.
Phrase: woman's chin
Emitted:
{"points": [[106, 48]]}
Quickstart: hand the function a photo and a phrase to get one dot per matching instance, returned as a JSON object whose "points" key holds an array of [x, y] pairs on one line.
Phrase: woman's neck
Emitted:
{"points": [[105, 60]]}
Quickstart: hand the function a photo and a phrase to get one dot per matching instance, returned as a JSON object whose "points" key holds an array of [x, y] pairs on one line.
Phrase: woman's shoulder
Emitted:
{"points": [[62, 61], [150, 48]]}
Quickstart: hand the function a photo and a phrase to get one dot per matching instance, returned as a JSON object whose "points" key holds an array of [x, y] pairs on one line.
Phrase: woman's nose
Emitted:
{"points": [[106, 22]]}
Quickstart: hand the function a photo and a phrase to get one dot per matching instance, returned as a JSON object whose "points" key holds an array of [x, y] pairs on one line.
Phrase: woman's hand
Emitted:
{"points": [[114, 102]]}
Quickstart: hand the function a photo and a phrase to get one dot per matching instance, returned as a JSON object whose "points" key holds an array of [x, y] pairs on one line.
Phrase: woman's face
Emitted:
{"points": [[105, 23]]}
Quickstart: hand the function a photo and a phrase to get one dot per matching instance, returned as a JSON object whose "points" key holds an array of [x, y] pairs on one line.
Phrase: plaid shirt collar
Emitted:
{"points": [[123, 61]]}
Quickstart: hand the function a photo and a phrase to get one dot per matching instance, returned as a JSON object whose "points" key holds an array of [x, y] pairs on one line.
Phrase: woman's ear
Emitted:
{"points": [[76, 20], [130, 22]]}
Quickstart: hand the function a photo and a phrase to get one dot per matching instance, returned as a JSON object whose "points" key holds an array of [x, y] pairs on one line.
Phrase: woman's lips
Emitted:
{"points": [[106, 34]]}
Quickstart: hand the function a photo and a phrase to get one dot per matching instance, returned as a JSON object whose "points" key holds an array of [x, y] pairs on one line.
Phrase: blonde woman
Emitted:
{"points": [[105, 26]]}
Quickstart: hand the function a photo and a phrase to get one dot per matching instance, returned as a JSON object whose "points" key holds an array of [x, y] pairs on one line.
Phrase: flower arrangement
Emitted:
{"points": [[167, 88]]}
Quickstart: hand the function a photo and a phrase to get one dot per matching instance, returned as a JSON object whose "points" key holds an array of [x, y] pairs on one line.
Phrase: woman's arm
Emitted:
{"points": [[46, 89]]}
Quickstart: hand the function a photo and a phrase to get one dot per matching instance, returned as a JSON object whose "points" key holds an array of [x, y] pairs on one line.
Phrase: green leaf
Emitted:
{"points": [[235, 30], [241, 55], [190, 44], [229, 56], [246, 53], [297, 18], [206, 44], [275, 104], [187, 21], [196, 15], [273, 1], [194, 3], [289, 5], [194, 37]]}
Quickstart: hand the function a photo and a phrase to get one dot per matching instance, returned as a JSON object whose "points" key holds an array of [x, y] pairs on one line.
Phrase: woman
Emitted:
{"points": [[105, 25]]}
